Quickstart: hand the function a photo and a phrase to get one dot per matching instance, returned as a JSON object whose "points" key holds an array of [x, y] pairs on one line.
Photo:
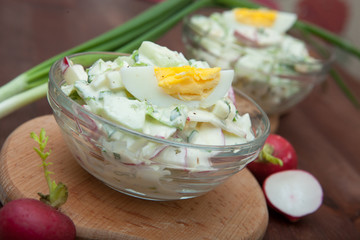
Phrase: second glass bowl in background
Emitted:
{"points": [[274, 92]]}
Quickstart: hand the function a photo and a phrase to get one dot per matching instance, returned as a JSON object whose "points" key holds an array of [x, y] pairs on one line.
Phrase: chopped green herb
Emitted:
{"points": [[175, 114]]}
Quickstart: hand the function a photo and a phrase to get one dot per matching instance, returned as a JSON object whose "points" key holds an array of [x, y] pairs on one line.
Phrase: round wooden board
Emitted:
{"points": [[234, 210], [274, 123]]}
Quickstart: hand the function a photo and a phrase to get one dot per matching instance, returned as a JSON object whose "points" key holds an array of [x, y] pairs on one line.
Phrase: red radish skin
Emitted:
{"points": [[293, 193], [231, 95], [64, 64], [247, 41], [32, 219], [283, 150]]}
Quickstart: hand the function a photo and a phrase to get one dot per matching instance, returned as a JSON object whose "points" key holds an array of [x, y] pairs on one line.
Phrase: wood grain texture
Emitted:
{"points": [[235, 210]]}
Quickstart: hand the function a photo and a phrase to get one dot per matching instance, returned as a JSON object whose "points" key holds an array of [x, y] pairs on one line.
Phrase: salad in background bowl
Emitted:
{"points": [[272, 64], [153, 124]]}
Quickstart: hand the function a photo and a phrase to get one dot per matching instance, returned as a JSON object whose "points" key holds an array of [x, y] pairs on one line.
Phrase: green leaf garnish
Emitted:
{"points": [[58, 193]]}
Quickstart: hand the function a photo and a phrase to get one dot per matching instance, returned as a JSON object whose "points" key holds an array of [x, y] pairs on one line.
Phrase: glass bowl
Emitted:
{"points": [[275, 84], [117, 156]]}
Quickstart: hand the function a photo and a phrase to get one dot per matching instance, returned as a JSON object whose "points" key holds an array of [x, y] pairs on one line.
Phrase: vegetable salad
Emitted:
{"points": [[159, 93]]}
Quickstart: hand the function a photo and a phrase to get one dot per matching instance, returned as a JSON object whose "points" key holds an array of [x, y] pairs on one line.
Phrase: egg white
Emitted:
{"points": [[142, 83], [283, 22]]}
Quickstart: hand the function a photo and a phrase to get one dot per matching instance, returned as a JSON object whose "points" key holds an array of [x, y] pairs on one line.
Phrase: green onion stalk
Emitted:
{"points": [[35, 75], [149, 25]]}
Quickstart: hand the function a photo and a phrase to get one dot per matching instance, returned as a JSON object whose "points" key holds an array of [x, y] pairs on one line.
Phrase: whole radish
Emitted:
{"points": [[33, 219], [277, 155]]}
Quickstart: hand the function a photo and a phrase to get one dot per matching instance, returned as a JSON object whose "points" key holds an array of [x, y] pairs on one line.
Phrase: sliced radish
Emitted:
{"points": [[294, 193], [172, 156], [72, 73], [208, 134], [65, 63], [231, 95]]}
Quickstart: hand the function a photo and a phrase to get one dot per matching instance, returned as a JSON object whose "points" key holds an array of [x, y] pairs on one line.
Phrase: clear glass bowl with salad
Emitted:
{"points": [[127, 132], [273, 65]]}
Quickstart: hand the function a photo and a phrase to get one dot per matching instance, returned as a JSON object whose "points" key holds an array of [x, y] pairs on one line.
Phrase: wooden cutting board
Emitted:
{"points": [[234, 210]]}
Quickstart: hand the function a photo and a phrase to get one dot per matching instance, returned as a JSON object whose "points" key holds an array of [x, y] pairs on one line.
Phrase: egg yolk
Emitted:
{"points": [[255, 17], [188, 83]]}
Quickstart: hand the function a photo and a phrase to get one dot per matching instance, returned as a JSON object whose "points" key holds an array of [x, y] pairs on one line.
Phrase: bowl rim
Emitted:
{"points": [[248, 145]]}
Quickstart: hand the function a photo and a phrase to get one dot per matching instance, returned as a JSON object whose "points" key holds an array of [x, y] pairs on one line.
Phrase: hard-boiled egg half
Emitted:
{"points": [[263, 18], [259, 27], [186, 85]]}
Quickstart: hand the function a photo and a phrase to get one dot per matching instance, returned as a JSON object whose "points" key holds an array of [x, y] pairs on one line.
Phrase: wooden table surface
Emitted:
{"points": [[324, 128]]}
